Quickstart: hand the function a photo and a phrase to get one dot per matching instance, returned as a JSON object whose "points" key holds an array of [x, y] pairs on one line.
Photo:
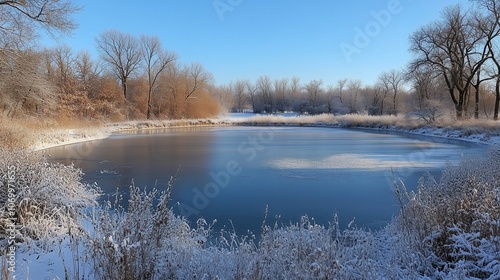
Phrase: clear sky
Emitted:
{"points": [[245, 39]]}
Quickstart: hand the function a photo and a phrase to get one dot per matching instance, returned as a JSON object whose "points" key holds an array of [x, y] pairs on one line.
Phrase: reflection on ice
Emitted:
{"points": [[348, 161]]}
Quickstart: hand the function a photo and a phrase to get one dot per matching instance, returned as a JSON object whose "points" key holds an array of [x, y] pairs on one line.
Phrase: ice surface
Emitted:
{"points": [[347, 161]]}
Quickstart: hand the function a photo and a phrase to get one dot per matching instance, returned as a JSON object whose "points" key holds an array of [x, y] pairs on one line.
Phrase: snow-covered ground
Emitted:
{"points": [[304, 251]]}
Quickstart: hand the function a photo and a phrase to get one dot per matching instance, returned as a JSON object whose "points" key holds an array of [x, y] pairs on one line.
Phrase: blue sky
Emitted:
{"points": [[245, 39]]}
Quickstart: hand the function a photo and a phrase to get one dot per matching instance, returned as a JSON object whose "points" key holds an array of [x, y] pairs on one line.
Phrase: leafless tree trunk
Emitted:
{"points": [[391, 81], [156, 60], [195, 77], [23, 88], [240, 97], [19, 20], [451, 47], [251, 90], [340, 85], [313, 90], [488, 25], [122, 53], [280, 91], [384, 87], [86, 70], [265, 88], [354, 87]]}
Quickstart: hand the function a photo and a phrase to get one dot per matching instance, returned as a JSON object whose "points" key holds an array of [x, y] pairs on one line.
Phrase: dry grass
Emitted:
{"points": [[36, 134], [298, 120], [482, 129], [354, 120], [14, 136]]}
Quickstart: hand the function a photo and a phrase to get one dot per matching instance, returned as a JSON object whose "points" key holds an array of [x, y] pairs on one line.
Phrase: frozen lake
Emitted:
{"points": [[232, 173]]}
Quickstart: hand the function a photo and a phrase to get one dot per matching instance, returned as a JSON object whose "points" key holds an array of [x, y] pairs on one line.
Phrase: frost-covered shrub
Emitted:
{"points": [[39, 199], [143, 241], [146, 241], [455, 221]]}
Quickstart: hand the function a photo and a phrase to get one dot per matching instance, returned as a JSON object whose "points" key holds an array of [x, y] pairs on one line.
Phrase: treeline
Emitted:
{"points": [[133, 77], [345, 97], [394, 93], [456, 70]]}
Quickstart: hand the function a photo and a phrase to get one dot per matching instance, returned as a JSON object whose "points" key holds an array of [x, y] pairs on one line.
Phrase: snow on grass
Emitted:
{"points": [[479, 131], [39, 136]]}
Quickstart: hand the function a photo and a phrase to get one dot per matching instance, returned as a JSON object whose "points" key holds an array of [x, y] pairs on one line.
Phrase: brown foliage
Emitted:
{"points": [[202, 107]]}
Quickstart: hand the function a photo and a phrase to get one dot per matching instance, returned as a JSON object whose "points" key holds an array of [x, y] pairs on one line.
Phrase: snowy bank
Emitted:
{"points": [[481, 131], [478, 131], [49, 138]]}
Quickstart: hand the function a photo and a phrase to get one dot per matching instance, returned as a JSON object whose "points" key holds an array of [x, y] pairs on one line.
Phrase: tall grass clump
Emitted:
{"points": [[295, 120], [453, 224], [42, 199], [145, 240]]}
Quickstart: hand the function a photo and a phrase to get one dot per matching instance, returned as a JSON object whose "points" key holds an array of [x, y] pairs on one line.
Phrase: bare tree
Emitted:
{"points": [[452, 48], [195, 78], [384, 88], [225, 96], [122, 53], [391, 81], [86, 70], [330, 95], [280, 90], [313, 90], [295, 87], [183, 83], [488, 24], [251, 90], [340, 86], [19, 20], [265, 87], [156, 60], [64, 62], [239, 93], [354, 88], [24, 88]]}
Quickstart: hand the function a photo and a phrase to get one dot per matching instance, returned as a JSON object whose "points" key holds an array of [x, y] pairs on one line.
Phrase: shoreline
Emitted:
{"points": [[76, 136]]}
